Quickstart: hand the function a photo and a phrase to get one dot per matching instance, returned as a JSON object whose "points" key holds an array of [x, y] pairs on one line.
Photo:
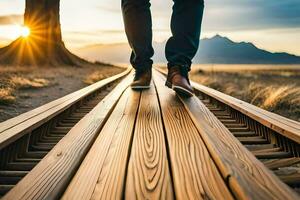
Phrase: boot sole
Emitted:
{"points": [[180, 90], [140, 87]]}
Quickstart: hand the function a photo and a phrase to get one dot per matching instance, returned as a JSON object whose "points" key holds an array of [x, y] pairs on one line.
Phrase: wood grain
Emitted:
{"points": [[280, 124], [52, 175], [14, 128], [148, 175], [194, 173], [279, 163], [248, 178], [102, 173]]}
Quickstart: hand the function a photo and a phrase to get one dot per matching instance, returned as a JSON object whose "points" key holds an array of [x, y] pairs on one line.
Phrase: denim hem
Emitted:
{"points": [[142, 67], [186, 66]]}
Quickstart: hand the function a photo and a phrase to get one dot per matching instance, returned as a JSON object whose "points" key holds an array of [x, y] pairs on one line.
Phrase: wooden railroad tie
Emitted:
{"points": [[108, 141]]}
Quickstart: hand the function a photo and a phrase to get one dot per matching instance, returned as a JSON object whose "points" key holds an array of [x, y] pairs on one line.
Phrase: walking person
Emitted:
{"points": [[180, 48]]}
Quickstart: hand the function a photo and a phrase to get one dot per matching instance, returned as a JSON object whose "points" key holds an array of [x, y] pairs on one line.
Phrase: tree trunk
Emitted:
{"points": [[44, 45]]}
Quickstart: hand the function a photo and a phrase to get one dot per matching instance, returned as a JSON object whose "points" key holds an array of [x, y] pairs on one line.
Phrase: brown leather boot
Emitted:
{"points": [[178, 80], [142, 79]]}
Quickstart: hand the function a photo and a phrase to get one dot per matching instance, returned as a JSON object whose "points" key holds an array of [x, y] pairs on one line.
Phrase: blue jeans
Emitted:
{"points": [[185, 26]]}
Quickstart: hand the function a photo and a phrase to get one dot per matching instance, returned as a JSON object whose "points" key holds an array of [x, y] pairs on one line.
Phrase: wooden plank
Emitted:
{"points": [[253, 140], [245, 134], [282, 125], [289, 175], [194, 173], [248, 178], [274, 149], [272, 155], [287, 127], [148, 175], [228, 120], [278, 163], [15, 128], [235, 125], [238, 129], [256, 147], [25, 116], [52, 175], [102, 173]]}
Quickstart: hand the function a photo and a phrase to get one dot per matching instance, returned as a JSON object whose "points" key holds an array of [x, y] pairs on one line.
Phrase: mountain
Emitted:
{"points": [[218, 49], [223, 50]]}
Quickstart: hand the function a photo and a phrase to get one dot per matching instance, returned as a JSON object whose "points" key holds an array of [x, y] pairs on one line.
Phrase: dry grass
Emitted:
{"points": [[274, 97], [269, 68], [94, 77], [98, 75], [278, 94], [25, 88], [11, 84], [25, 83], [6, 96]]}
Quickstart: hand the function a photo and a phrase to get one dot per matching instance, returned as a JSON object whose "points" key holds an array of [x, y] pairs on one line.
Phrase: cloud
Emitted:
{"points": [[251, 14], [11, 19], [231, 15]]}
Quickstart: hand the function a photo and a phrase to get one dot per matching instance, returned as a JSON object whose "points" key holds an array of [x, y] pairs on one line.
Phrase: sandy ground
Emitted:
{"points": [[31, 87]]}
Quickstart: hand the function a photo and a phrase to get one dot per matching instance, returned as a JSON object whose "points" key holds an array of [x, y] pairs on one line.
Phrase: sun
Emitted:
{"points": [[24, 31]]}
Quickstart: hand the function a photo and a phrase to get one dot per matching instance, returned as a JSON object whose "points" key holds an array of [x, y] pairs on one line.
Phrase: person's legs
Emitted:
{"points": [[183, 45], [138, 27], [186, 27]]}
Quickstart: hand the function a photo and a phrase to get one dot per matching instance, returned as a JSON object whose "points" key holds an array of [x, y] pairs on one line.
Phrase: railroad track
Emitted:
{"points": [[271, 138], [67, 137], [276, 151], [25, 140]]}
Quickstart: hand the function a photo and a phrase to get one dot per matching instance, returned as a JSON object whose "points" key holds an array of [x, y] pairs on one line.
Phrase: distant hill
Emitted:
{"points": [[217, 49], [222, 50]]}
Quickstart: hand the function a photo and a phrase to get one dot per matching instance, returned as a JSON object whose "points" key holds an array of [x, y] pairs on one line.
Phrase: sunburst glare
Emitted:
{"points": [[24, 31]]}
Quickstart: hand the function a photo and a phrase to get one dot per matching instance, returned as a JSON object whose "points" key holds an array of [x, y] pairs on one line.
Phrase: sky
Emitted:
{"points": [[273, 25]]}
